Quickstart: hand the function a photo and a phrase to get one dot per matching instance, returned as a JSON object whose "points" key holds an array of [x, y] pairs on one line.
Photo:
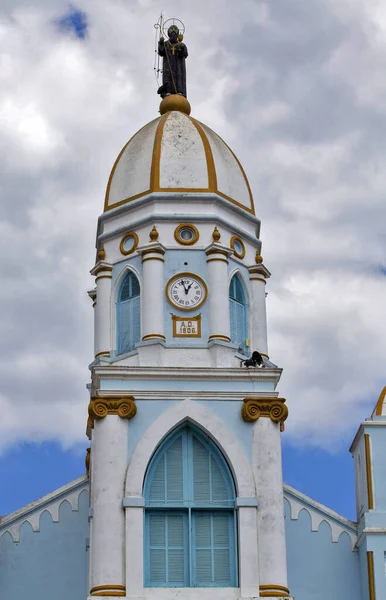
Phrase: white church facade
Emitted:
{"points": [[184, 496]]}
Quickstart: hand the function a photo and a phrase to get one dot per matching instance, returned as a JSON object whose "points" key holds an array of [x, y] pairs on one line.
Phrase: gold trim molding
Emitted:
{"points": [[220, 337], [370, 572], [273, 591], [180, 240], [274, 408], [369, 475], [101, 406], [130, 234], [236, 238], [381, 400], [153, 336], [108, 590]]}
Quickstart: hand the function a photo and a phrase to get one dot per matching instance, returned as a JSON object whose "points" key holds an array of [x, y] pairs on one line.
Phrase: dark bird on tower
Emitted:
{"points": [[256, 360]]}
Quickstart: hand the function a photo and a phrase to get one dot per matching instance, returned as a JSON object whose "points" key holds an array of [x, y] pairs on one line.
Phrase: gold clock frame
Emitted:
{"points": [[186, 274]]}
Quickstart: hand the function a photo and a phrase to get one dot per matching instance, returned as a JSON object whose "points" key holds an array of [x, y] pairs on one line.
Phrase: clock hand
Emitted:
{"points": [[183, 283]]}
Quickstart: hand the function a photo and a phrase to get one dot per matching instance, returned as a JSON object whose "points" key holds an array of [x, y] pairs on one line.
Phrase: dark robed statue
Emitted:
{"points": [[174, 53]]}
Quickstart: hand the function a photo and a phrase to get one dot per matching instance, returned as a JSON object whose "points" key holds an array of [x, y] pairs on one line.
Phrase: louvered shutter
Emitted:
{"points": [[157, 548], [213, 540], [157, 492], [124, 326], [233, 320], [136, 320], [177, 549], [174, 472], [201, 473], [208, 480], [240, 324], [167, 549], [219, 490]]}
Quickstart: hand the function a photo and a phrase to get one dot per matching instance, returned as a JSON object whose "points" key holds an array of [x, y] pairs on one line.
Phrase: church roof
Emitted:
{"points": [[176, 153]]}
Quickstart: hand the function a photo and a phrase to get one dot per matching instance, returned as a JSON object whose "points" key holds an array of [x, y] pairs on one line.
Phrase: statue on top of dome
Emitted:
{"points": [[173, 52]]}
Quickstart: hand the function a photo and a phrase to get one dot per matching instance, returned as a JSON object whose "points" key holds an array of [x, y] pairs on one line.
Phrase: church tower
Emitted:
{"points": [[185, 470]]}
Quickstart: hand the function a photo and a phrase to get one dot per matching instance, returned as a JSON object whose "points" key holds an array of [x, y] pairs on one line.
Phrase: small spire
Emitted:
{"points": [[259, 258], [216, 235], [102, 253], [154, 234]]}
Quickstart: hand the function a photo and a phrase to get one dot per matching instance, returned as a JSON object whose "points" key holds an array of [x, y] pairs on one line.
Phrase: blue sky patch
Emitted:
{"points": [[75, 22]]}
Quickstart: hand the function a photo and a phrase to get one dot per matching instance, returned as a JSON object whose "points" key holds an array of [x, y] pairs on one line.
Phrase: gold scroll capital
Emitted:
{"points": [[101, 406], [274, 408]]}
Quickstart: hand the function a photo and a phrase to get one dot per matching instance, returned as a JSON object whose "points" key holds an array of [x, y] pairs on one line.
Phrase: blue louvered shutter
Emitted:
{"points": [[233, 320], [208, 480], [167, 480], [136, 320], [213, 544], [128, 314], [174, 472], [168, 554], [124, 326], [241, 324]]}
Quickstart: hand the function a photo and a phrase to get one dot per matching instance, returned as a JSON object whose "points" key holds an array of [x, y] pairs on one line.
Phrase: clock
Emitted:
{"points": [[186, 291]]}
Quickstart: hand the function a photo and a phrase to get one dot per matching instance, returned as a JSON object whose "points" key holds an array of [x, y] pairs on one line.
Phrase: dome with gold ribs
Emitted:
{"points": [[176, 153]]}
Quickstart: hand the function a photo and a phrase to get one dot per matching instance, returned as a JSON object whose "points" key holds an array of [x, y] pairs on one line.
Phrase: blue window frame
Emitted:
{"points": [[190, 525], [238, 313], [128, 314]]}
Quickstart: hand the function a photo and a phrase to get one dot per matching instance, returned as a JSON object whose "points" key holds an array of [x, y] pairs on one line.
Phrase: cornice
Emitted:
{"points": [[379, 422], [186, 373], [135, 224]]}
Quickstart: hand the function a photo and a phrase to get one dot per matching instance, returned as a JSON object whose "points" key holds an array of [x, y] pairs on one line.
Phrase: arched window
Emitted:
{"points": [[238, 313], [128, 314], [189, 515]]}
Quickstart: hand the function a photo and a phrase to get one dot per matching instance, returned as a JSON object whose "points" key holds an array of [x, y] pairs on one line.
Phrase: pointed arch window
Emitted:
{"points": [[189, 515], [238, 313], [128, 314]]}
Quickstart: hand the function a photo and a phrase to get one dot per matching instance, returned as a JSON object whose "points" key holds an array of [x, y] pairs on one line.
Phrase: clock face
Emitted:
{"points": [[186, 291]]}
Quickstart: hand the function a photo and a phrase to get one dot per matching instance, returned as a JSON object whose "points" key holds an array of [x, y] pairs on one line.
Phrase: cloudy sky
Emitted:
{"points": [[298, 90]]}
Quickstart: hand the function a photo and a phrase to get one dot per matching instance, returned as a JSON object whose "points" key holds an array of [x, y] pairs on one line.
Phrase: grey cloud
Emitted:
{"points": [[289, 87]]}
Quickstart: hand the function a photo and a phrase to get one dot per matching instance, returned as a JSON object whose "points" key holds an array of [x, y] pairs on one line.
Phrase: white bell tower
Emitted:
{"points": [[179, 303]]}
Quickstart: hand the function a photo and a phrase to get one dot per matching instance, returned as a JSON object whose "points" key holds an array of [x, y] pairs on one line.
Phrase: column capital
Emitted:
{"points": [[152, 251], [259, 270], [101, 406], [274, 408], [100, 267], [218, 252]]}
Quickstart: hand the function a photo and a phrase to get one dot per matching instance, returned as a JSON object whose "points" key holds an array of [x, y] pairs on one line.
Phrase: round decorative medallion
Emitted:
{"points": [[186, 234], [129, 243], [237, 246], [186, 291]]}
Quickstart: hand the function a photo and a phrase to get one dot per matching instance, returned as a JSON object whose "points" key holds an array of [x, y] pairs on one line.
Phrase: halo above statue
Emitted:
{"points": [[176, 23]]}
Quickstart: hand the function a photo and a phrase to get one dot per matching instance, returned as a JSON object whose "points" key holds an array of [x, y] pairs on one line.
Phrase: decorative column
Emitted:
{"points": [[219, 322], [108, 419], [268, 416], [258, 274], [102, 310], [153, 299]]}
